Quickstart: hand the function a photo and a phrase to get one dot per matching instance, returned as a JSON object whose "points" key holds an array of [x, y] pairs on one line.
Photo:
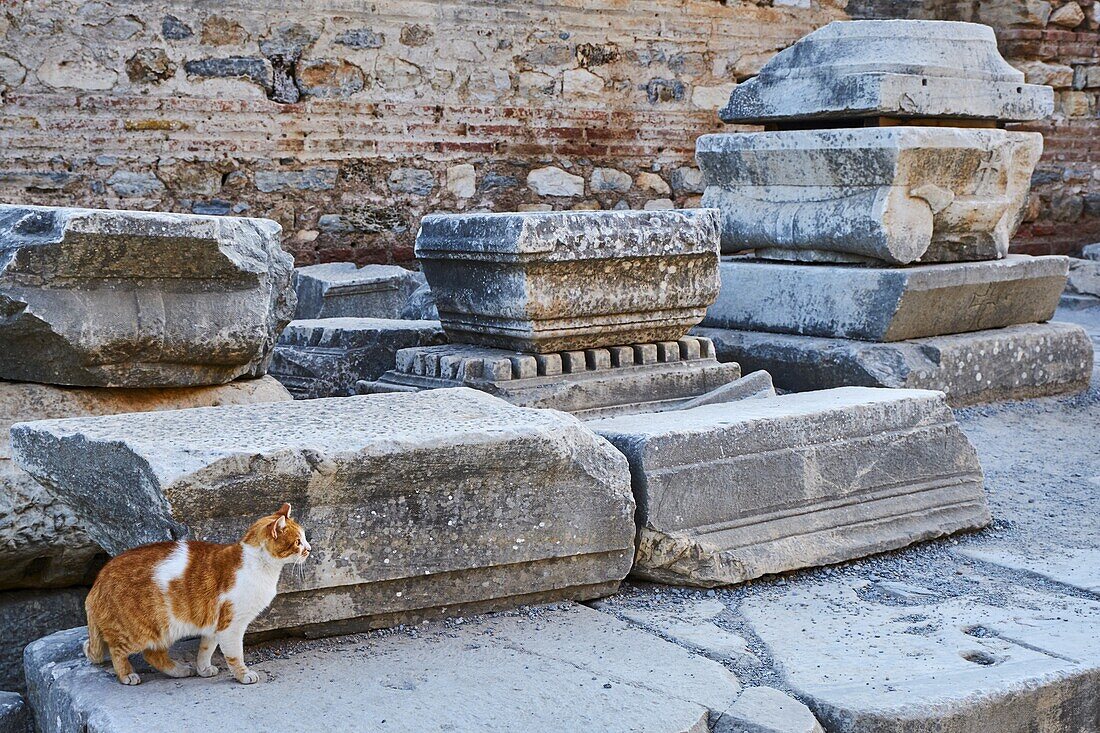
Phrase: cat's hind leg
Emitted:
{"points": [[203, 664], [159, 659], [123, 669], [95, 649]]}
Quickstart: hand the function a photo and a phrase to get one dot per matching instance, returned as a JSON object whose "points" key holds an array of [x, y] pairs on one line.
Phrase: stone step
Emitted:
{"points": [[91, 307], [327, 357], [551, 669], [886, 303], [1011, 363], [417, 505], [730, 492], [589, 383]]}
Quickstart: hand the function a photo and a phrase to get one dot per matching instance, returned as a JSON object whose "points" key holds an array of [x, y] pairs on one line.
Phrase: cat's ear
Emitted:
{"points": [[284, 511], [278, 526]]}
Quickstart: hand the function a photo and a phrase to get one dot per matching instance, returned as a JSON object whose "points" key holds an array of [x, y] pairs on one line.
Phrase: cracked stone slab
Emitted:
{"points": [[1002, 657], [691, 626], [102, 298], [767, 710], [1075, 567], [886, 303], [417, 505], [327, 357], [731, 492], [343, 290], [1012, 363], [894, 195], [14, 715], [543, 282], [592, 383], [552, 669], [889, 68], [42, 539]]}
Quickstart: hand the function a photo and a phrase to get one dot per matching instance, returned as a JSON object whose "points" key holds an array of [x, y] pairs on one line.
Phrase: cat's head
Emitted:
{"points": [[278, 534]]}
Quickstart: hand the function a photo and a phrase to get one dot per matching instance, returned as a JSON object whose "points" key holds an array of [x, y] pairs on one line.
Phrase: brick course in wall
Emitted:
{"points": [[347, 121]]}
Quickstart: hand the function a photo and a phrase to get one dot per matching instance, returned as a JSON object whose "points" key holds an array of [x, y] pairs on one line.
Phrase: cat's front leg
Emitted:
{"points": [[232, 643], [203, 664]]}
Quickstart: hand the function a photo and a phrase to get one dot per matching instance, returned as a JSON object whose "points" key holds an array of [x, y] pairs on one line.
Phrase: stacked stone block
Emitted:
{"points": [[877, 207], [578, 311], [109, 312]]}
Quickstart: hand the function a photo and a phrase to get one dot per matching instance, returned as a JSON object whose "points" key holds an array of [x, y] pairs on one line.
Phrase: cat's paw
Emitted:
{"points": [[248, 678], [208, 671], [181, 670], [130, 679]]}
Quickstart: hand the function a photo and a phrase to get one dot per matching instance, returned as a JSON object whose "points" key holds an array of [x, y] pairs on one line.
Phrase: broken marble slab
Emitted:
{"points": [[898, 69], [886, 303], [731, 492], [557, 669], [543, 282], [897, 195], [42, 539], [343, 290], [103, 298], [755, 386], [767, 710], [15, 717], [1011, 363], [590, 384], [417, 505], [1084, 278], [995, 655], [327, 357], [27, 615]]}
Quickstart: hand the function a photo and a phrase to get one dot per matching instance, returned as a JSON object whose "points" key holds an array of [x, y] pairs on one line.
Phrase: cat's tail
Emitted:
{"points": [[95, 649]]}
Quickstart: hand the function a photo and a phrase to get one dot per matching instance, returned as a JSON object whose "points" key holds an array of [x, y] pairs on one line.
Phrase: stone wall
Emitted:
{"points": [[347, 121], [1055, 43]]}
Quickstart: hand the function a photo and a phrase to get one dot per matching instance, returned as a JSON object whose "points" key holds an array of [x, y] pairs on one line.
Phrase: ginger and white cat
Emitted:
{"points": [[151, 596]]}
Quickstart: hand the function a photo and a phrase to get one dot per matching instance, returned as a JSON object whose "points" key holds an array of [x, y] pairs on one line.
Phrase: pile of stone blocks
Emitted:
{"points": [[1083, 283], [349, 325], [417, 505], [109, 312], [876, 209], [580, 311]]}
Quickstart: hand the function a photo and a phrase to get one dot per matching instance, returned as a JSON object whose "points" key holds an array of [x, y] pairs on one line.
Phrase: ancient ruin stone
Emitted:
{"points": [[734, 491], [417, 505], [886, 303], [42, 540], [15, 716], [892, 194], [558, 281], [328, 357], [135, 299], [1012, 363], [341, 289], [26, 615], [557, 669], [589, 383], [1084, 278], [894, 68]]}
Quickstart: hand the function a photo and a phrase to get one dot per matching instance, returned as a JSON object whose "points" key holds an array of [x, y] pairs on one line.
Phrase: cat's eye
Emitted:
{"points": [[298, 542]]}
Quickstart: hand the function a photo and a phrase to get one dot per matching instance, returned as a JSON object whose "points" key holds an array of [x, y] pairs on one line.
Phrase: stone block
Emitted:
{"points": [[767, 710], [417, 505], [342, 290], [1084, 278], [1091, 251], [892, 194], [542, 282], [326, 357], [556, 669], [138, 299], [591, 383], [886, 303], [27, 615], [42, 540], [894, 68], [15, 717], [731, 492], [1012, 363], [757, 385]]}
